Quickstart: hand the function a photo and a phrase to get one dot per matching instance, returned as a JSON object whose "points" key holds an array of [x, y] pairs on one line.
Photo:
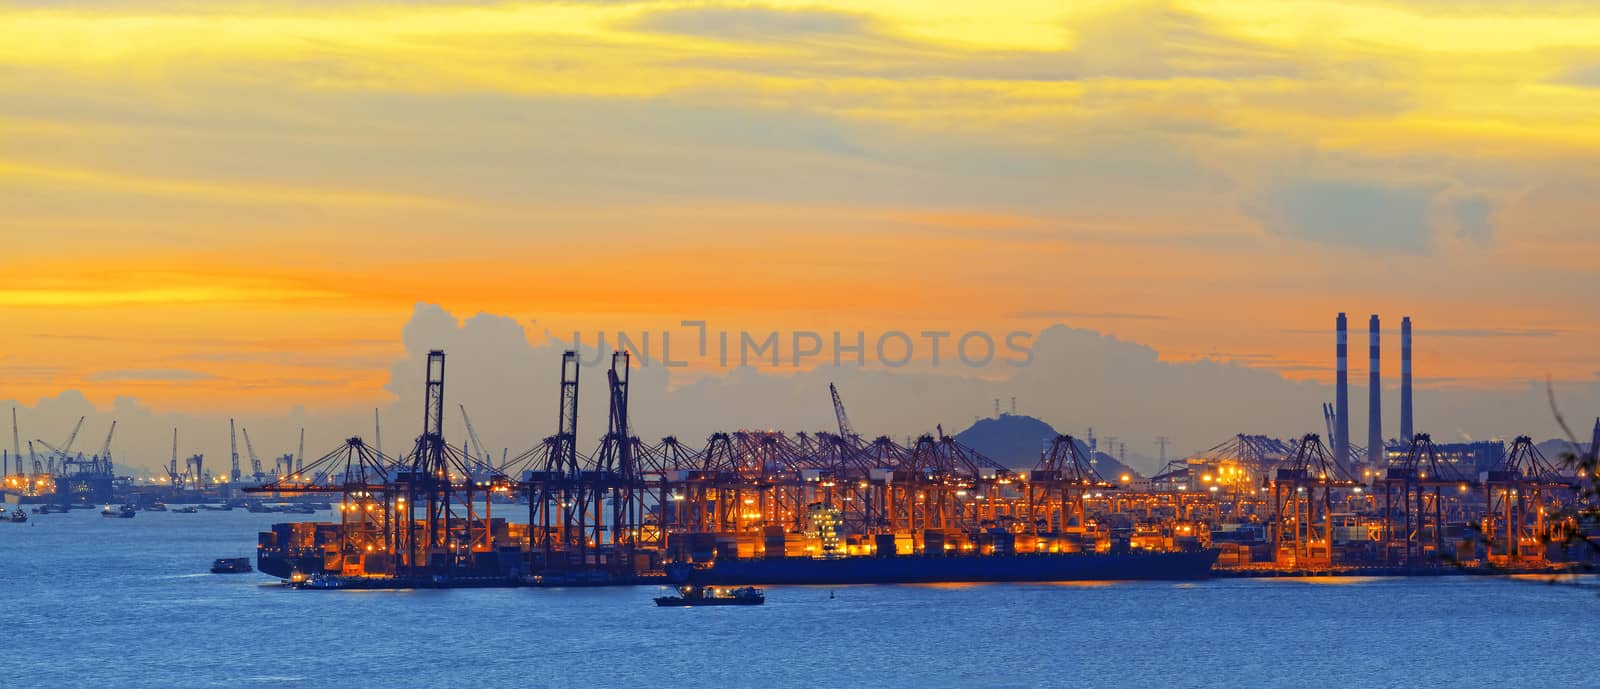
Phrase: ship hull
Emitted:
{"points": [[283, 567], [676, 602], [1178, 566]]}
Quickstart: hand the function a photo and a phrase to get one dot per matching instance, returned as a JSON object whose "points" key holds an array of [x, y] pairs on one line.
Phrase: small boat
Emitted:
{"points": [[231, 565], [299, 509], [690, 596], [315, 582], [123, 512], [158, 506], [15, 516], [186, 509]]}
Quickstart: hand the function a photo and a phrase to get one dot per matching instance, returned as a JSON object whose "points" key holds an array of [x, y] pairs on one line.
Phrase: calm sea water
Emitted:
{"points": [[124, 604]]}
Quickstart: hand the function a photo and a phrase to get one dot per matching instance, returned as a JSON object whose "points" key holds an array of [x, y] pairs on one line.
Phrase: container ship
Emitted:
{"points": [[295, 551], [917, 569]]}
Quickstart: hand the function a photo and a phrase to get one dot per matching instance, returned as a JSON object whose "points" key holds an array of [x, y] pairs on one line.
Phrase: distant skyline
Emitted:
{"points": [[234, 208]]}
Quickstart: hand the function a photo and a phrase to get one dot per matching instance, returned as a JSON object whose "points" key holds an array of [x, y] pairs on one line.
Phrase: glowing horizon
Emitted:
{"points": [[241, 202]]}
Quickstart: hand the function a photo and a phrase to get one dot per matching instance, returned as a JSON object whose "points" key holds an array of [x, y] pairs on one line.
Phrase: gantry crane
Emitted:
{"points": [[255, 462], [61, 452]]}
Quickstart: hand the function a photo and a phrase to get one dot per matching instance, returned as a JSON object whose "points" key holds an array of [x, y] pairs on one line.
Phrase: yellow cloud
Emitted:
{"points": [[154, 295], [84, 180]]}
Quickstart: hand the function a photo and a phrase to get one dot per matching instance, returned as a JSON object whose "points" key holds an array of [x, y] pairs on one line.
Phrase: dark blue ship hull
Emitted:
{"points": [[915, 569]]}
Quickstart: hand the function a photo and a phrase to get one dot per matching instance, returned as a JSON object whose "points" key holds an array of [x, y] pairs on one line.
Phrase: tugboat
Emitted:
{"points": [[316, 582], [691, 596], [123, 512], [15, 516], [157, 506], [231, 565], [186, 509]]}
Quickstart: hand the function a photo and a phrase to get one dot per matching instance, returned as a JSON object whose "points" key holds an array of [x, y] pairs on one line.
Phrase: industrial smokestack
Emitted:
{"points": [[1374, 401], [1406, 430], [1341, 400]]}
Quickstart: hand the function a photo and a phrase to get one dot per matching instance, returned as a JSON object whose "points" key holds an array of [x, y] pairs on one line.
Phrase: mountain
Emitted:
{"points": [[1016, 441], [1556, 449]]}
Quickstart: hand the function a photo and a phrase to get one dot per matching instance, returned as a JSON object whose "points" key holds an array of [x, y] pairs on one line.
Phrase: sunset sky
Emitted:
{"points": [[213, 204]]}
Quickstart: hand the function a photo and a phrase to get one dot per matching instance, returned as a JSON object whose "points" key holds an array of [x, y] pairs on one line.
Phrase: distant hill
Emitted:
{"points": [[1554, 449], [1016, 440]]}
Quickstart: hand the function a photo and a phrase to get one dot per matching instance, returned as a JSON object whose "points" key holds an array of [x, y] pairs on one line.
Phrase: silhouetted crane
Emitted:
{"points": [[105, 450], [255, 462], [472, 434], [63, 451], [233, 448], [845, 431], [173, 476]]}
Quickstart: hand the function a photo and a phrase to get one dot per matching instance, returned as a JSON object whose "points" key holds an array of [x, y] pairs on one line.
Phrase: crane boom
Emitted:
{"points": [[105, 450], [845, 431], [255, 462], [74, 437], [473, 435], [16, 441], [233, 448], [1330, 419]]}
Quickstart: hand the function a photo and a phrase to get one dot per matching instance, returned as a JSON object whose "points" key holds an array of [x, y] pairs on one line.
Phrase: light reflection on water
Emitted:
{"points": [[1326, 580], [87, 601]]}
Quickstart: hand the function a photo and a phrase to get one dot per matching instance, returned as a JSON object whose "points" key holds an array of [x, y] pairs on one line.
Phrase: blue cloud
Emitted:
{"points": [[1359, 214], [1582, 76], [1472, 219], [750, 23]]}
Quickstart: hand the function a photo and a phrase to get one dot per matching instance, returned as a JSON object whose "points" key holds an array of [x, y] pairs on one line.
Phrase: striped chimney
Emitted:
{"points": [[1406, 429], [1341, 433], [1375, 454]]}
